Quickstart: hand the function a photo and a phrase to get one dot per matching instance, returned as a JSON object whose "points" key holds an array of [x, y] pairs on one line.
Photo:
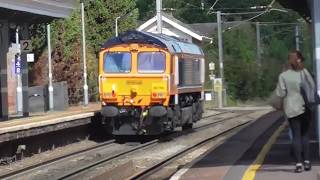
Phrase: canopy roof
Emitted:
{"points": [[35, 10], [300, 6], [173, 45]]}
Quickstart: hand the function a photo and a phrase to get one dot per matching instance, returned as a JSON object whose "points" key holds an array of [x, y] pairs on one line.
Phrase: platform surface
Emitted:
{"points": [[279, 163], [261, 151], [43, 119]]}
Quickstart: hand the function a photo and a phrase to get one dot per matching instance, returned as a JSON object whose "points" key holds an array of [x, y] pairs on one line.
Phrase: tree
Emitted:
{"points": [[66, 44], [101, 15]]}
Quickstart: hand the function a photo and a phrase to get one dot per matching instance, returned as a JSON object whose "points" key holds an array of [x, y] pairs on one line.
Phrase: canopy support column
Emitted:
{"points": [[315, 8], [4, 43]]}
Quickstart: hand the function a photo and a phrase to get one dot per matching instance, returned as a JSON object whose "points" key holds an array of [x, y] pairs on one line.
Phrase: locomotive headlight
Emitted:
{"points": [[158, 95], [109, 95]]}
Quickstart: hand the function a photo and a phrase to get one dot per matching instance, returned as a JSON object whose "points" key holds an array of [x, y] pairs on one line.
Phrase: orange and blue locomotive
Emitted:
{"points": [[150, 83]]}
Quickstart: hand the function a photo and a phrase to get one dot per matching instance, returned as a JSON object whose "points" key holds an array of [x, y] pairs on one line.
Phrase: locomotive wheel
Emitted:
{"points": [[187, 126]]}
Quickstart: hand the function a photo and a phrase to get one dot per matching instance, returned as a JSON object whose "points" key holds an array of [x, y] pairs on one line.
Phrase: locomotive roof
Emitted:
{"points": [[174, 45]]}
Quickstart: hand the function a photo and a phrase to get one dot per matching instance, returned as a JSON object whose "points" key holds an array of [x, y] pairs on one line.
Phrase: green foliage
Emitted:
{"points": [[67, 42], [38, 37], [67, 34], [240, 43], [146, 9], [101, 15], [245, 80]]}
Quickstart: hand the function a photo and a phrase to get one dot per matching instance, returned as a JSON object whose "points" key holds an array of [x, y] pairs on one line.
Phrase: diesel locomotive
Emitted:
{"points": [[150, 83]]}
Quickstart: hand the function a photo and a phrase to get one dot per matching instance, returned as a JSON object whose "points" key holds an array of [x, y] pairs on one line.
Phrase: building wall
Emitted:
{"points": [[169, 30]]}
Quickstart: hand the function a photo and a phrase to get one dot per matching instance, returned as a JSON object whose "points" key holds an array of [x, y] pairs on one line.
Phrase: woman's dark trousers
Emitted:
{"points": [[300, 126]]}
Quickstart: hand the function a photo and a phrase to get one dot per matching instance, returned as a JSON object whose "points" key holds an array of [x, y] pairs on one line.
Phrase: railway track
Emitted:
{"points": [[69, 174], [31, 167], [74, 175], [158, 166], [21, 172]]}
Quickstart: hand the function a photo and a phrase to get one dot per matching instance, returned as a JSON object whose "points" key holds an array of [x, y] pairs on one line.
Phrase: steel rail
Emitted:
{"points": [[104, 160], [221, 120], [20, 172], [54, 160], [155, 168], [73, 174]]}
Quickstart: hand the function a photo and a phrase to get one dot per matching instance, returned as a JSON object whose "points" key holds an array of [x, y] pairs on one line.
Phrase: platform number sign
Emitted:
{"points": [[18, 66], [26, 45]]}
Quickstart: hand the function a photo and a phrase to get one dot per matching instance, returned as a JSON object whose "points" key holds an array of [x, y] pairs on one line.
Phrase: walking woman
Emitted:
{"points": [[298, 115]]}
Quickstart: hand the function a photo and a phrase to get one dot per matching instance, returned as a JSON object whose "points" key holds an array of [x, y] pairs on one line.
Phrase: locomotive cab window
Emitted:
{"points": [[151, 62], [117, 62]]}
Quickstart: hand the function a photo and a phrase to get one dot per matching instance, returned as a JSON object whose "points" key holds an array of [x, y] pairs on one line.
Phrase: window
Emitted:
{"points": [[117, 62], [151, 62]]}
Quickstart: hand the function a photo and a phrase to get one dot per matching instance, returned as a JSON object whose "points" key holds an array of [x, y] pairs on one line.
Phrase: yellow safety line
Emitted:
{"points": [[250, 173]]}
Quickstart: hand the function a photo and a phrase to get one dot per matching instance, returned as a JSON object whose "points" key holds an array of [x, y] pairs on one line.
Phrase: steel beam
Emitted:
{"points": [[221, 71], [315, 8], [4, 43], [159, 16], [25, 72]]}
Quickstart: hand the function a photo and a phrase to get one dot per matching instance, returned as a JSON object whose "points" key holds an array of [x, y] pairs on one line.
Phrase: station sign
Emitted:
{"points": [[208, 97], [212, 66], [30, 57], [218, 85], [17, 65], [26, 46]]}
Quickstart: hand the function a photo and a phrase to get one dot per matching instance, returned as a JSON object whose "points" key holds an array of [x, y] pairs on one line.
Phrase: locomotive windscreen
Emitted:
{"points": [[117, 62], [151, 62]]}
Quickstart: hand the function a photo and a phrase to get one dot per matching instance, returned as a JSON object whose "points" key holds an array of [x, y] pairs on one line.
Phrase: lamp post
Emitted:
{"points": [[117, 21], [18, 75], [117, 18], [297, 32], [85, 84], [50, 88], [258, 39]]}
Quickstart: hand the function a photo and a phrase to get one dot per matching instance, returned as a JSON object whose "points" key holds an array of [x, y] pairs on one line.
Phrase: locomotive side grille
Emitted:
{"points": [[189, 72]]}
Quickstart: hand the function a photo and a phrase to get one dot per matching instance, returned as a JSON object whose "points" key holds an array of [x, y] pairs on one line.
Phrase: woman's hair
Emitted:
{"points": [[298, 63]]}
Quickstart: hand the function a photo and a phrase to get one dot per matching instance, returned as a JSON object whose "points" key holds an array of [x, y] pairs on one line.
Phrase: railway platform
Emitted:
{"points": [[41, 123], [260, 151]]}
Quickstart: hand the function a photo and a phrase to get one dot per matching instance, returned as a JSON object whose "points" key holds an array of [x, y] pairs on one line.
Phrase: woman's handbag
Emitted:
{"points": [[276, 101], [308, 92]]}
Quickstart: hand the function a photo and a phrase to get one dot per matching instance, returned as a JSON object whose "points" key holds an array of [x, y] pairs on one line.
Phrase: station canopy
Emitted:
{"points": [[174, 45], [300, 6], [35, 11]]}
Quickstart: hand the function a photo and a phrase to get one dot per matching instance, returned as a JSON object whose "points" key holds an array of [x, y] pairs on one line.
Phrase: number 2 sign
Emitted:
{"points": [[26, 45]]}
